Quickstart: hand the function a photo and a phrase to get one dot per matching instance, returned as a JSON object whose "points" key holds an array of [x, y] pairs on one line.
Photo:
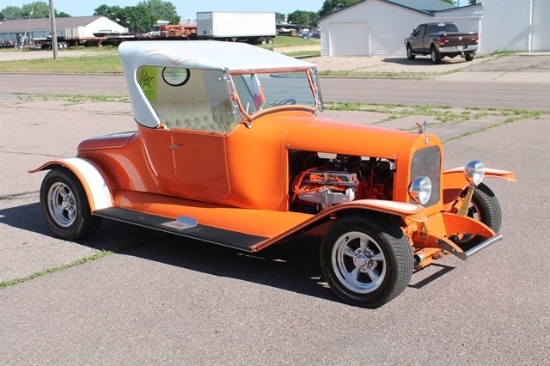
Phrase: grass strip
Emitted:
{"points": [[78, 262]]}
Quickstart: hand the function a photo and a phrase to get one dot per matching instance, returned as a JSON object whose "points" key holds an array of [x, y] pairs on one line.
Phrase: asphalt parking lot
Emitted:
{"points": [[163, 300]]}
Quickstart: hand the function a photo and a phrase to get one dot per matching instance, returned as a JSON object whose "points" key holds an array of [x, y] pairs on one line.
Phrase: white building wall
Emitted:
{"points": [[388, 25], [540, 40], [506, 25]]}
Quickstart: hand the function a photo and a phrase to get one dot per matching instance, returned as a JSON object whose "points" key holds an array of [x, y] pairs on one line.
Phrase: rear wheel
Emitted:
{"points": [[65, 206], [469, 56], [436, 56], [410, 55], [367, 261]]}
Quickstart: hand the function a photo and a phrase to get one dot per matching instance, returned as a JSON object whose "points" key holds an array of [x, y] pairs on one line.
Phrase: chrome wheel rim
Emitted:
{"points": [[358, 262], [62, 204]]}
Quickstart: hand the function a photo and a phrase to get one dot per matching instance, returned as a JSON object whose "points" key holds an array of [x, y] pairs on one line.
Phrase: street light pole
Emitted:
{"points": [[54, 30]]}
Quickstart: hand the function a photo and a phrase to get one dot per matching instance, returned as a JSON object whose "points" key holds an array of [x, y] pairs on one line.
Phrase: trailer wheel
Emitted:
{"points": [[269, 40], [436, 56], [65, 206], [367, 261]]}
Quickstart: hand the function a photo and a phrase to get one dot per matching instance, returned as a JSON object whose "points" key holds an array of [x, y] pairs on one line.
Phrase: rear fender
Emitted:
{"points": [[454, 181], [93, 182]]}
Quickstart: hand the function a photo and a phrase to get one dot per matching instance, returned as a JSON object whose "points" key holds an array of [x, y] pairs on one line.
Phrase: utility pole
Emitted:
{"points": [[54, 30]]}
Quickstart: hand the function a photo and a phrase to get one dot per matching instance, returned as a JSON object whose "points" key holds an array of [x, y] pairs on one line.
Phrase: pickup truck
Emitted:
{"points": [[440, 40]]}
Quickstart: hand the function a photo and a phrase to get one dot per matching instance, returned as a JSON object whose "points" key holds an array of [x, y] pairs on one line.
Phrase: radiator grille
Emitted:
{"points": [[427, 162]]}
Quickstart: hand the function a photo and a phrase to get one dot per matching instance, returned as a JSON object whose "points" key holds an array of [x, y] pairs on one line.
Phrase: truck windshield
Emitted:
{"points": [[259, 92]]}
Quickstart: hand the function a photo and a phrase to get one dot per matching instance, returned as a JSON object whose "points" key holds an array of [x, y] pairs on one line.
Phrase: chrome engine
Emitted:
{"points": [[329, 179]]}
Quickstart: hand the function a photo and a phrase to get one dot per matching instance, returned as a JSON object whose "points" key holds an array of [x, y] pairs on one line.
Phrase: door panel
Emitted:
{"points": [[201, 164]]}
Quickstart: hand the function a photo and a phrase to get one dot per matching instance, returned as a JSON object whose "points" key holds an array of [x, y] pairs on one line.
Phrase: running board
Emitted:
{"points": [[186, 227]]}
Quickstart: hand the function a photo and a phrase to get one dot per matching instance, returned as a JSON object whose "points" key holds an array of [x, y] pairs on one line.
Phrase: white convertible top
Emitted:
{"points": [[213, 55], [205, 55]]}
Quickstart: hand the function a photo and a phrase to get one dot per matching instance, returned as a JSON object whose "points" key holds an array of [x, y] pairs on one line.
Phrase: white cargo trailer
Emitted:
{"points": [[247, 27]]}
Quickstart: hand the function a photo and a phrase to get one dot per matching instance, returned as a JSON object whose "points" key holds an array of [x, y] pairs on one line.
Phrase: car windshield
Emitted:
{"points": [[260, 92]]}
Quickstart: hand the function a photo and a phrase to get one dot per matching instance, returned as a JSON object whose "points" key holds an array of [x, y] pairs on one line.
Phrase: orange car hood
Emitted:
{"points": [[329, 136]]}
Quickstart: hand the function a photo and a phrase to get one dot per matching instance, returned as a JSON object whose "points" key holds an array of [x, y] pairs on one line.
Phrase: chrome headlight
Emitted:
{"points": [[474, 171], [420, 190]]}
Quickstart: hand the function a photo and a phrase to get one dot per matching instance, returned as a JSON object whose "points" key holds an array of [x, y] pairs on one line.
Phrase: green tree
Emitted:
{"points": [[300, 18], [142, 17], [11, 12], [330, 6], [38, 9], [162, 10], [280, 17], [114, 13]]}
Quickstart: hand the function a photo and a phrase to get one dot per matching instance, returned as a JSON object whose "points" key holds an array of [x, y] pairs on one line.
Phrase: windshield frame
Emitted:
{"points": [[312, 80]]}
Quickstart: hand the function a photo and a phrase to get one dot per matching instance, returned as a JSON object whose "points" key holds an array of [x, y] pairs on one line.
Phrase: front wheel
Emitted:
{"points": [[485, 208], [367, 261], [65, 206], [436, 56], [410, 55]]}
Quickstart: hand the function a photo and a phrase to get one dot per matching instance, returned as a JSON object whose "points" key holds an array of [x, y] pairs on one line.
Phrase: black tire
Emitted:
{"points": [[469, 56], [436, 56], [485, 208], [410, 55], [65, 206], [367, 261]]}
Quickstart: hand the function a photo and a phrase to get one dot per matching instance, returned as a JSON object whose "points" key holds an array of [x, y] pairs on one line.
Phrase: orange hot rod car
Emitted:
{"points": [[229, 150]]}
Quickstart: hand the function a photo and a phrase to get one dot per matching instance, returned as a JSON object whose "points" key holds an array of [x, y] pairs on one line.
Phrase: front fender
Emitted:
{"points": [[93, 182], [454, 181], [410, 211]]}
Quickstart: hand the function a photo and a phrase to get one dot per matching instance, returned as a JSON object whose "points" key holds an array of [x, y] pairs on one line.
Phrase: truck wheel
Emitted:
{"points": [[410, 55], [65, 206], [469, 56], [436, 56], [485, 208], [367, 261]]}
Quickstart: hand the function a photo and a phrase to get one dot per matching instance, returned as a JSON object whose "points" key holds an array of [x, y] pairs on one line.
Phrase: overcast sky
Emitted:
{"points": [[184, 8]]}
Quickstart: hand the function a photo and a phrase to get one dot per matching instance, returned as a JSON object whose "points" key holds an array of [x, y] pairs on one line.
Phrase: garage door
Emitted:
{"points": [[349, 39]]}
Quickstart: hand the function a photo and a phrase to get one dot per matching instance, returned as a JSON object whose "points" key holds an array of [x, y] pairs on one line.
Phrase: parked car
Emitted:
{"points": [[441, 40], [229, 150]]}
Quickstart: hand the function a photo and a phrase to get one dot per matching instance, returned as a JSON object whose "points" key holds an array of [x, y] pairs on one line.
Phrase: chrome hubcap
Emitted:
{"points": [[62, 204], [358, 262]]}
